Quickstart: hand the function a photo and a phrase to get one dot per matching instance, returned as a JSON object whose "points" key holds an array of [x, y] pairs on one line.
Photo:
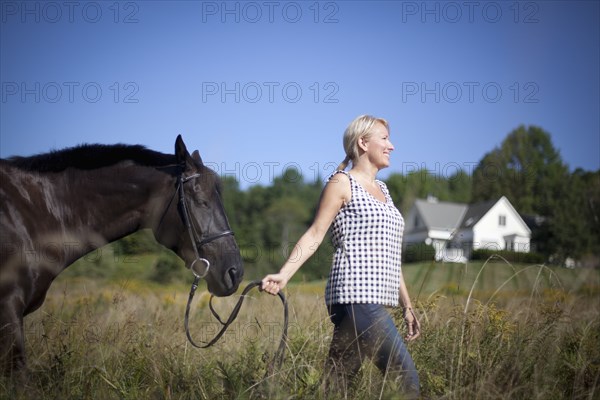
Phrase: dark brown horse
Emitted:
{"points": [[56, 207]]}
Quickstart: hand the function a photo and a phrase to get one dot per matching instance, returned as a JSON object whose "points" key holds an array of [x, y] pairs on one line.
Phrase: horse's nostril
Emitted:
{"points": [[232, 276]]}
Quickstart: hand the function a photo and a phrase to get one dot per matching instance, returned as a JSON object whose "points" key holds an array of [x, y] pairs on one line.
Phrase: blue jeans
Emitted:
{"points": [[367, 331]]}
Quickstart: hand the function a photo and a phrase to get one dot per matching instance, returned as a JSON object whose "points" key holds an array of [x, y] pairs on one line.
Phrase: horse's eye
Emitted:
{"points": [[198, 191], [202, 202]]}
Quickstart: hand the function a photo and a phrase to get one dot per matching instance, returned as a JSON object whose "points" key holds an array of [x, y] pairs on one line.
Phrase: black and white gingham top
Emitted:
{"points": [[367, 236]]}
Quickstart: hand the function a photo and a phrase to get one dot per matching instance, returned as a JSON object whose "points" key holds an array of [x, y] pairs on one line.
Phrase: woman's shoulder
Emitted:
{"points": [[340, 183], [383, 187], [338, 173], [339, 176], [381, 183]]}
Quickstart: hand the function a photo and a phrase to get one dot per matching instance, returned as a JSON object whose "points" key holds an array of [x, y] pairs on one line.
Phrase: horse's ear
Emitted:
{"points": [[180, 150], [196, 157]]}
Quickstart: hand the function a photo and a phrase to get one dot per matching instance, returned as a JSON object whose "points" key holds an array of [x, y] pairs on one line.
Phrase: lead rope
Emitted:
{"points": [[277, 360]]}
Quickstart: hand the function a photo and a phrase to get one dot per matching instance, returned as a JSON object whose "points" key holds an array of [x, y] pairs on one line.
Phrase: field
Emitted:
{"points": [[490, 331]]}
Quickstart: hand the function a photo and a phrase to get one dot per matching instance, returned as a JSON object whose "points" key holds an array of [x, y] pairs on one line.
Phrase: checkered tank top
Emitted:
{"points": [[367, 236]]}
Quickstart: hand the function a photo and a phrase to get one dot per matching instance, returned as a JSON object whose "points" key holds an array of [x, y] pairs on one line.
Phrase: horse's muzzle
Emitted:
{"points": [[227, 283], [233, 278]]}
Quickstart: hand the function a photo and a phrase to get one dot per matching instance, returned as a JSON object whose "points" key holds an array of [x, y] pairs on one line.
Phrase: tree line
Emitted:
{"points": [[562, 206]]}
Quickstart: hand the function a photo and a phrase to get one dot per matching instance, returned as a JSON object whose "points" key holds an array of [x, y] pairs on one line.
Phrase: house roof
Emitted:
{"points": [[475, 212], [441, 215], [448, 216]]}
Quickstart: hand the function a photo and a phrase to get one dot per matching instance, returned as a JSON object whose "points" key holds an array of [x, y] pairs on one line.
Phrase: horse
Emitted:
{"points": [[58, 206]]}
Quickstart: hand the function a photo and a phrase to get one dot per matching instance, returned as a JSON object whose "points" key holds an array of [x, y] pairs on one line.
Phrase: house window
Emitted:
{"points": [[502, 220]]}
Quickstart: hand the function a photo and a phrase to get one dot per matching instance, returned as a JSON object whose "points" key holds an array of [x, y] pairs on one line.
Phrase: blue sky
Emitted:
{"points": [[261, 86]]}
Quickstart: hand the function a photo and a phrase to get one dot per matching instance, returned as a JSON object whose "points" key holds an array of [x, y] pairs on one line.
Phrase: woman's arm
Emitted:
{"points": [[413, 324], [336, 193]]}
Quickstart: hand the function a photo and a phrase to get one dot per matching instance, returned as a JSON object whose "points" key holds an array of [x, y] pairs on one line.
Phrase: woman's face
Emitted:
{"points": [[378, 146]]}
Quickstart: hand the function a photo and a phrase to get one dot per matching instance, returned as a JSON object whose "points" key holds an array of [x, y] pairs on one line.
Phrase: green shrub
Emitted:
{"points": [[510, 256], [415, 252], [139, 242], [168, 269]]}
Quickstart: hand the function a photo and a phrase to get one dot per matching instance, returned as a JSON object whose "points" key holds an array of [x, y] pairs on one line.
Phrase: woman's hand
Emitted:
{"points": [[274, 283], [412, 323]]}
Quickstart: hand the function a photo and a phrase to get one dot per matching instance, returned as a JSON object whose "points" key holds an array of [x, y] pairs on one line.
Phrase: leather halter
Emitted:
{"points": [[196, 243]]}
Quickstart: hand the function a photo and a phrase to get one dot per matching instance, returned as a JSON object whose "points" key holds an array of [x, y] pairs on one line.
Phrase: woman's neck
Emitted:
{"points": [[368, 173]]}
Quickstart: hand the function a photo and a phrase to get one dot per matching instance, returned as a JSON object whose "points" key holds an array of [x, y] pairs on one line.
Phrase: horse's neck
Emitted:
{"points": [[67, 214], [110, 203]]}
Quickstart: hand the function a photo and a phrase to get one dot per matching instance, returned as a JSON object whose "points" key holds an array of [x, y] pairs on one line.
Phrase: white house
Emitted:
{"points": [[456, 229]]}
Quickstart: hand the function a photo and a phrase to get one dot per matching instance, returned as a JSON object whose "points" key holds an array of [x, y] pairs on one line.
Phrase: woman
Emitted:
{"points": [[365, 276]]}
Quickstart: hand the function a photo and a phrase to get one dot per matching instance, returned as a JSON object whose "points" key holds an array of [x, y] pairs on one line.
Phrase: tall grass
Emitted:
{"points": [[490, 331]]}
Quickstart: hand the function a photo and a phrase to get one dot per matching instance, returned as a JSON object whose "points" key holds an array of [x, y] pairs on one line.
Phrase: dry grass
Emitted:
{"points": [[491, 331]]}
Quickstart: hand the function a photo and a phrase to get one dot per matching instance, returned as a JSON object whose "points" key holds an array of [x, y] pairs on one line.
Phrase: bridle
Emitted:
{"points": [[197, 244], [187, 220]]}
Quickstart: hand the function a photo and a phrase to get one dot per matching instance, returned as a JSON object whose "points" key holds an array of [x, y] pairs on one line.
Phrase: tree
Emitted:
{"points": [[287, 219], [526, 168], [573, 230], [460, 186], [405, 189]]}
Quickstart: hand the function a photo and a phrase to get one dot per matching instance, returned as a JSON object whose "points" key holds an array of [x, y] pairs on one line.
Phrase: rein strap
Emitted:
{"points": [[279, 354]]}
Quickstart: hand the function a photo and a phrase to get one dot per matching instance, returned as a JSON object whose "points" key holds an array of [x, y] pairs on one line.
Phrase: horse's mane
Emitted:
{"points": [[90, 156]]}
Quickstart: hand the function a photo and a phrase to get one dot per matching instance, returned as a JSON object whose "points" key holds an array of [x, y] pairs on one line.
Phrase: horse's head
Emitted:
{"points": [[206, 242]]}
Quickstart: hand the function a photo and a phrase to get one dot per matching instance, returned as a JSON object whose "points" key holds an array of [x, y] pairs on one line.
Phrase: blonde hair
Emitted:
{"points": [[360, 127]]}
